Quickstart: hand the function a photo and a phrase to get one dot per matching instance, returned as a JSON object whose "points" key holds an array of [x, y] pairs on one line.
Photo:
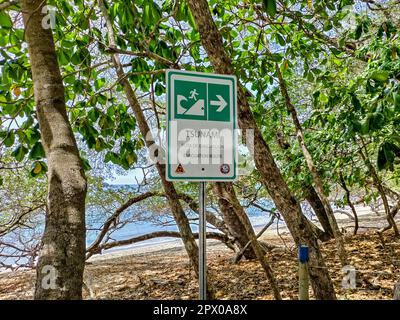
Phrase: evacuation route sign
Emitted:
{"points": [[201, 126]]}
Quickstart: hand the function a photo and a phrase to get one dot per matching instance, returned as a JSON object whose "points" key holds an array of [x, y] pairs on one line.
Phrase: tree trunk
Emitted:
{"points": [[349, 202], [228, 200], [211, 218], [378, 185], [265, 246], [285, 202], [319, 186], [319, 209], [235, 226], [230, 224], [62, 255], [170, 192], [311, 196]]}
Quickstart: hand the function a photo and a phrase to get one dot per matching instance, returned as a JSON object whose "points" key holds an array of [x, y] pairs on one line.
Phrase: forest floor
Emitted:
{"points": [[167, 274]]}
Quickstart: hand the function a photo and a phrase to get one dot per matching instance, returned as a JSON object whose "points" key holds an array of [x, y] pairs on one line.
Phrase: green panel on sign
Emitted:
{"points": [[218, 102], [190, 100]]}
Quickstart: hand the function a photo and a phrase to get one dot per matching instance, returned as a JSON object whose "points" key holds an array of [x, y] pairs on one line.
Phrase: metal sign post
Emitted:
{"points": [[202, 243]]}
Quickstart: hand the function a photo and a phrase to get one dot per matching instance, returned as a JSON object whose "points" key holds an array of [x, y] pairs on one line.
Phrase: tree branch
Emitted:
{"points": [[259, 234], [146, 53], [113, 219], [158, 234], [8, 4], [16, 220], [210, 217]]}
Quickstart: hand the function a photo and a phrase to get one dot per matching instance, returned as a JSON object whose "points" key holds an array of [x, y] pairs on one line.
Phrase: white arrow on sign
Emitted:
{"points": [[221, 103]]}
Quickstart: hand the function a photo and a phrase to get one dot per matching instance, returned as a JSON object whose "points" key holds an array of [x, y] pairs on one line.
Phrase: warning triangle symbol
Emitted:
{"points": [[179, 169]]}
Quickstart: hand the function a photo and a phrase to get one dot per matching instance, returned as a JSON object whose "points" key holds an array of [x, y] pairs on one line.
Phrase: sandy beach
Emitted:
{"points": [[162, 271], [271, 234]]}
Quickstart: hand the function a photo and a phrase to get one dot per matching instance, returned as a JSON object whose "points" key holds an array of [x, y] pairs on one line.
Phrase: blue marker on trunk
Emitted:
{"points": [[303, 254]]}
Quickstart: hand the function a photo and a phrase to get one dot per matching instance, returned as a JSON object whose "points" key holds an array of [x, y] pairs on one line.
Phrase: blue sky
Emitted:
{"points": [[128, 178]]}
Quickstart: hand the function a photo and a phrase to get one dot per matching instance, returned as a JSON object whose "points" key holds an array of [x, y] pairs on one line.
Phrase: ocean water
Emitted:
{"points": [[257, 218]]}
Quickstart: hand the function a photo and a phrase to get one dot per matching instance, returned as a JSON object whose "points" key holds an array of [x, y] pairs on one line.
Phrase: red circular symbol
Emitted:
{"points": [[225, 168]]}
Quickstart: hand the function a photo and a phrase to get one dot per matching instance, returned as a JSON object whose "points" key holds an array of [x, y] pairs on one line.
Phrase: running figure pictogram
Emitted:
{"points": [[193, 94]]}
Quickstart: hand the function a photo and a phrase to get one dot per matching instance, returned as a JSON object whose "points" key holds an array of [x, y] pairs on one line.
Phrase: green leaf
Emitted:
{"points": [[276, 57], [380, 75], [358, 32], [64, 57], [270, 7], [365, 126], [113, 157], [38, 168], [381, 160], [131, 158], [281, 40], [151, 12], [19, 152], [37, 151], [356, 125], [356, 103], [159, 89], [327, 26], [377, 121], [311, 78], [386, 155], [10, 138], [100, 144], [396, 100], [323, 98], [99, 83], [85, 164], [75, 59], [5, 20]]}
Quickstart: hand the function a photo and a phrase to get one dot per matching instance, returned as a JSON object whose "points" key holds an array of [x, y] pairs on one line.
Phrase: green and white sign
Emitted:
{"points": [[201, 116]]}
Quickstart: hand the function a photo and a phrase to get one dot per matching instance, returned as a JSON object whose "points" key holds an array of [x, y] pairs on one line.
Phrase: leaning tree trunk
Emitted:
{"points": [[211, 218], [62, 255], [227, 198], [285, 202], [311, 196], [341, 250], [379, 186], [349, 202], [172, 196], [319, 209], [232, 221]]}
